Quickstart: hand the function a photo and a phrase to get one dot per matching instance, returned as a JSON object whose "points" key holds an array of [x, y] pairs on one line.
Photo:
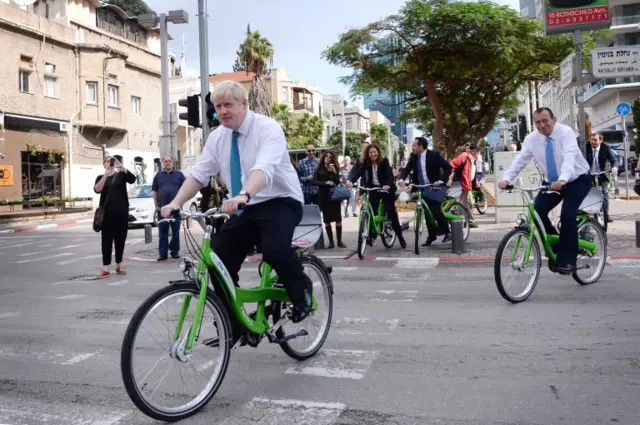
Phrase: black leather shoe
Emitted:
{"points": [[403, 243], [564, 269], [447, 238], [430, 240]]}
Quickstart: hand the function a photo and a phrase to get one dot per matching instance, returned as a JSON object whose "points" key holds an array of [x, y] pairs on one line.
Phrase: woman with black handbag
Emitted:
{"points": [[327, 176], [113, 218]]}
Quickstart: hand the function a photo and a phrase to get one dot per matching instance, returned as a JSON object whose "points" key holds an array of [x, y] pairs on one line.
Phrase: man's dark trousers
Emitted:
{"points": [[572, 196]]}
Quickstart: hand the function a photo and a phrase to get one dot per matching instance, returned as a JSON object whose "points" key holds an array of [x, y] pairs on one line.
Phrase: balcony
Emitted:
{"points": [[625, 20], [598, 88], [302, 99], [116, 25]]}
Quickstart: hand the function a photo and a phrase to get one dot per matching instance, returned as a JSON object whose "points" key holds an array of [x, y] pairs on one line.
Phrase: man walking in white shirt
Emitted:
{"points": [[250, 151], [553, 147]]}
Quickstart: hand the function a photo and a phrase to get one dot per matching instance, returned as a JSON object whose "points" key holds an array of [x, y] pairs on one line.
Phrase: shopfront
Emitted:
{"points": [[34, 159]]}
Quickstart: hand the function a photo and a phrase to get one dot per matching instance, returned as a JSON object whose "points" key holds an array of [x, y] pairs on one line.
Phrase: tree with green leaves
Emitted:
{"points": [[379, 133], [238, 66], [353, 141], [254, 56], [300, 130], [132, 7], [458, 63]]}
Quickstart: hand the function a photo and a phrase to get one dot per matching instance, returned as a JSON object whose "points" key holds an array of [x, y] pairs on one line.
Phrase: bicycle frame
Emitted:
{"points": [[377, 218], [534, 222], [235, 296]]}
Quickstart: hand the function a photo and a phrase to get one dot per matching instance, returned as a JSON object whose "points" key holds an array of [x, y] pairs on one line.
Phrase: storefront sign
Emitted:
{"points": [[611, 62], [6, 175], [563, 16]]}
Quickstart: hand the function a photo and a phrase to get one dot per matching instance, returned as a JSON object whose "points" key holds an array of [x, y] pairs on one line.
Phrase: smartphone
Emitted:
{"points": [[112, 162]]}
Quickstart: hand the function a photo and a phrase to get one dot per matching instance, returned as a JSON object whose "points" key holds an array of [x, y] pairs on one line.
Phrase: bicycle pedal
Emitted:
{"points": [[212, 342], [290, 337]]}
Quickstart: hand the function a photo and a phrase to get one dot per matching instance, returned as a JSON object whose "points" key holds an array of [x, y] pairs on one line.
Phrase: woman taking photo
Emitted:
{"points": [[327, 176], [376, 171], [112, 187]]}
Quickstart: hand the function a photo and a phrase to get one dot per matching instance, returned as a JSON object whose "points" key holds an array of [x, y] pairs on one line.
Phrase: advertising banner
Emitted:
{"points": [[565, 16]]}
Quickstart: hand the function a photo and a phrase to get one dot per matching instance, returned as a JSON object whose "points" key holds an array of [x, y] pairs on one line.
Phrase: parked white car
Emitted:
{"points": [[142, 208]]}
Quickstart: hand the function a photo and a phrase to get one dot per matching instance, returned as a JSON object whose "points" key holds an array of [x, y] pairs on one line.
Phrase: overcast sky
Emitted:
{"points": [[299, 31]]}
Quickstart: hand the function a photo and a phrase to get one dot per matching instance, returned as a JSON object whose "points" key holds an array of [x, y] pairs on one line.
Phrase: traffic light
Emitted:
{"points": [[192, 116], [212, 115]]}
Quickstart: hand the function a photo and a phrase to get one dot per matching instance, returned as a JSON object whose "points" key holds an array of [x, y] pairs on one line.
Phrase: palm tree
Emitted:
{"points": [[282, 113], [256, 52], [309, 127]]}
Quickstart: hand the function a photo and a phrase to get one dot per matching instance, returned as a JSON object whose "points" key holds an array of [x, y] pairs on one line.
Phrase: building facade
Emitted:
{"points": [[82, 81]]}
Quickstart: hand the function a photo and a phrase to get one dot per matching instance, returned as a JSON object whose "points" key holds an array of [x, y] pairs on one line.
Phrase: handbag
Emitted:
{"points": [[340, 193], [98, 216]]}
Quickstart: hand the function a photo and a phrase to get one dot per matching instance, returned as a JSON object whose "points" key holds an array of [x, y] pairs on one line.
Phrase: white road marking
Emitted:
{"points": [[115, 322], [135, 241], [286, 412], [90, 257], [64, 254], [386, 291], [70, 297], [385, 300], [624, 263], [365, 326], [206, 365], [7, 315], [47, 250], [31, 411], [417, 263], [17, 245], [79, 358], [118, 283], [344, 269], [343, 364]]}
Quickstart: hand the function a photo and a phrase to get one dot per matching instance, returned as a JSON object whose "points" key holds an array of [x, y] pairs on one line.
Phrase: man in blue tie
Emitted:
{"points": [[553, 147], [250, 151]]}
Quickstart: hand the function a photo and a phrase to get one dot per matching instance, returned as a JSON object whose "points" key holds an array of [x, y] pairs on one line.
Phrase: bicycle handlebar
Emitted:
{"points": [[373, 189], [213, 212], [543, 188], [437, 186]]}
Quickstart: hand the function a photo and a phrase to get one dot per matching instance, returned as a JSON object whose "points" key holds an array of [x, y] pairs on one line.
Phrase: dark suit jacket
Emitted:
{"points": [[365, 173], [438, 168], [605, 154]]}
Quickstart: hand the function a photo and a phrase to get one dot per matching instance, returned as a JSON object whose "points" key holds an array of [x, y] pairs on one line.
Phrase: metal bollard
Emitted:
{"points": [[148, 235], [457, 239], [638, 232], [320, 243]]}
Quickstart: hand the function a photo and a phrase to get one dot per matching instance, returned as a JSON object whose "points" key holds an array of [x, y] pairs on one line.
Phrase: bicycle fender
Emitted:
{"points": [[182, 282]]}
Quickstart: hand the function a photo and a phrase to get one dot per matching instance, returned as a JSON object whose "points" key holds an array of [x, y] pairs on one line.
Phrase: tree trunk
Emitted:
{"points": [[438, 117], [259, 99]]}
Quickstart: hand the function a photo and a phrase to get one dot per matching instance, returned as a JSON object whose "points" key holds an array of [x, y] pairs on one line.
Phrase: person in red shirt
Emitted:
{"points": [[463, 167]]}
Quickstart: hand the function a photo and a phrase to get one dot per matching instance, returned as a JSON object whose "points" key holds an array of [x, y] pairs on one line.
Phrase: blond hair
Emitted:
{"points": [[231, 89]]}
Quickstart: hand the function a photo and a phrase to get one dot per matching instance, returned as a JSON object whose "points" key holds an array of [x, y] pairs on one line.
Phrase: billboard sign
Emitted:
{"points": [[567, 71], [619, 61], [564, 16]]}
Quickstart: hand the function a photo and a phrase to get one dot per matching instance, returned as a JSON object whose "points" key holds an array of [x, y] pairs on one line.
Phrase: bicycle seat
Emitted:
{"points": [[592, 203], [310, 228]]}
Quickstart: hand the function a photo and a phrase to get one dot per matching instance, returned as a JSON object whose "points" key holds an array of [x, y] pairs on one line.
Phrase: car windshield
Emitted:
{"points": [[141, 192]]}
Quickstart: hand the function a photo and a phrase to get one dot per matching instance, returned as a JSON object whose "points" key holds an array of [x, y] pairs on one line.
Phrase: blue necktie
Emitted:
{"points": [[236, 168], [552, 171], [420, 176]]}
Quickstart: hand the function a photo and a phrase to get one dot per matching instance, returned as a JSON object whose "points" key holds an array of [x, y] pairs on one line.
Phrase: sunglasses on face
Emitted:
{"points": [[311, 150]]}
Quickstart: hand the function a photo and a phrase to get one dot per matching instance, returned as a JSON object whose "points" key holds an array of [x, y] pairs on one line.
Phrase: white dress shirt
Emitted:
{"points": [[262, 146], [423, 163], [570, 162]]}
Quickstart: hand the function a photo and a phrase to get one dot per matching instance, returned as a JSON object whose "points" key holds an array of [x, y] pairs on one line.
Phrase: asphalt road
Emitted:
{"points": [[410, 344]]}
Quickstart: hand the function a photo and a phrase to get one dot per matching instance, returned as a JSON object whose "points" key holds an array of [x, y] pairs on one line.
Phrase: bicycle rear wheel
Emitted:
{"points": [[168, 365], [317, 324], [482, 206], [418, 229], [387, 236], [591, 231]]}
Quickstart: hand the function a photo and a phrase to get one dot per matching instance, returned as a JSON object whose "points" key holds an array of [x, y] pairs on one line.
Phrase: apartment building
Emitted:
{"points": [[81, 81]]}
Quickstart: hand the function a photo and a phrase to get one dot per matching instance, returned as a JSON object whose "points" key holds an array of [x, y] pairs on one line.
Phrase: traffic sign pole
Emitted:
{"points": [[623, 109], [577, 41]]}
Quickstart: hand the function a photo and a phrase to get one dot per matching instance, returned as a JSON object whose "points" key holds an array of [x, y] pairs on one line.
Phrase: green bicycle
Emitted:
{"points": [[452, 211], [199, 340], [372, 225], [526, 228]]}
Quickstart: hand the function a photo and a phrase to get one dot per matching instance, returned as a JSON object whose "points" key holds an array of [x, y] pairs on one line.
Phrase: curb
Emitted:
{"points": [[44, 226]]}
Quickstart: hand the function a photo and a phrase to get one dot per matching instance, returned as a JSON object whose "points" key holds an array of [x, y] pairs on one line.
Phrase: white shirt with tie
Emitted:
{"points": [[262, 146], [570, 163], [423, 163]]}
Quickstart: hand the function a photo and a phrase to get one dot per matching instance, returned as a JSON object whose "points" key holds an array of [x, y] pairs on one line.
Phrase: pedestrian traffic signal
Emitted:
{"points": [[192, 116], [212, 115]]}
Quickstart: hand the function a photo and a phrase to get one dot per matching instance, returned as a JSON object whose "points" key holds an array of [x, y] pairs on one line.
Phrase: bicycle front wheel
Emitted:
{"points": [[151, 357], [512, 259], [418, 229], [591, 231], [363, 233], [481, 206]]}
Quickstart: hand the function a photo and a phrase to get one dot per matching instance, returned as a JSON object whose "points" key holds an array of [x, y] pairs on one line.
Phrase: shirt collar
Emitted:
{"points": [[246, 124]]}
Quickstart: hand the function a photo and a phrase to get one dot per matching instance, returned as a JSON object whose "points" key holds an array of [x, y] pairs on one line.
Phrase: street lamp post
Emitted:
{"points": [[149, 20]]}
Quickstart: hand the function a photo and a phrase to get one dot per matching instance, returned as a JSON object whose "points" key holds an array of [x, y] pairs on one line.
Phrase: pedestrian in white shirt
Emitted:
{"points": [[553, 147], [250, 151]]}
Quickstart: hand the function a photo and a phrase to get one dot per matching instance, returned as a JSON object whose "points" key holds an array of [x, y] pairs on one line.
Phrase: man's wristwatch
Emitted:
{"points": [[245, 193]]}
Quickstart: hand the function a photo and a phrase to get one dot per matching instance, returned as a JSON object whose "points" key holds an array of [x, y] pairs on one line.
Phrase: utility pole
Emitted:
{"points": [[204, 67], [166, 142], [344, 134], [577, 41]]}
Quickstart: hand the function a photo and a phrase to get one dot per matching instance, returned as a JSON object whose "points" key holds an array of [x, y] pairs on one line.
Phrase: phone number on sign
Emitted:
{"points": [[576, 20]]}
